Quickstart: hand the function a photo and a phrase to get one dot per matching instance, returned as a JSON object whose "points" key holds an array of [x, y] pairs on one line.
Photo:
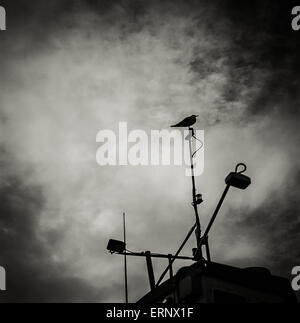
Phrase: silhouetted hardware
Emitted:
{"points": [[116, 246], [187, 122], [238, 180], [148, 255], [206, 281], [199, 198]]}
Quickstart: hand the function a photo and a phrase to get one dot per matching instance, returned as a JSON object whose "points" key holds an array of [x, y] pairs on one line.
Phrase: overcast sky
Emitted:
{"points": [[72, 68]]}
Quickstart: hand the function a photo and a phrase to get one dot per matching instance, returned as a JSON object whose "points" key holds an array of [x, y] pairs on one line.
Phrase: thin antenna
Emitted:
{"points": [[125, 259]]}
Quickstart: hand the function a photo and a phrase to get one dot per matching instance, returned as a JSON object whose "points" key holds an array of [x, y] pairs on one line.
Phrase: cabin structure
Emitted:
{"points": [[210, 282]]}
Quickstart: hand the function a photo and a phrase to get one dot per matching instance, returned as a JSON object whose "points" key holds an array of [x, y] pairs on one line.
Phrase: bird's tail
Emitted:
{"points": [[173, 126]]}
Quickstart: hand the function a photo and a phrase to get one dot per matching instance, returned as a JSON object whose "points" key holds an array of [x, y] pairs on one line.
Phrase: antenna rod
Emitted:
{"points": [[125, 260], [205, 235], [155, 255]]}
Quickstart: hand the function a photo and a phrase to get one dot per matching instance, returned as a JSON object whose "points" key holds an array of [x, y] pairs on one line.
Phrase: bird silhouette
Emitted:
{"points": [[187, 122]]}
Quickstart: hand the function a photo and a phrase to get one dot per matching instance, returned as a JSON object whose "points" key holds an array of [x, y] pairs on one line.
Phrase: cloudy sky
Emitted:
{"points": [[72, 68]]}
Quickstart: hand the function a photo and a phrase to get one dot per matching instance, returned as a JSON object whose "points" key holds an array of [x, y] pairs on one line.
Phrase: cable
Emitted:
{"points": [[196, 151], [193, 136]]}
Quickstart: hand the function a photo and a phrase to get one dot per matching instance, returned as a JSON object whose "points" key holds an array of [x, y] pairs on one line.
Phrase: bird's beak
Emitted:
{"points": [[197, 116]]}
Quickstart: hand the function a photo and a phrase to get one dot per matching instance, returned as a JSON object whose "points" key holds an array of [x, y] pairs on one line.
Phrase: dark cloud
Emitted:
{"points": [[263, 40]]}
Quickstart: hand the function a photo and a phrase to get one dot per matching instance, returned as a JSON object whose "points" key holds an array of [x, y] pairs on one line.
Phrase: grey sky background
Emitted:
{"points": [[72, 68]]}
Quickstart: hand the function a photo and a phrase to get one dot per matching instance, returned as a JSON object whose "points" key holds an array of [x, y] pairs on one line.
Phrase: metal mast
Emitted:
{"points": [[196, 201]]}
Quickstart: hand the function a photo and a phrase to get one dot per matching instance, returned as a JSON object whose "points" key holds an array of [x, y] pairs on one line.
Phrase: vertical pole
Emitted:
{"points": [[150, 270], [125, 260], [207, 250], [170, 265], [198, 227]]}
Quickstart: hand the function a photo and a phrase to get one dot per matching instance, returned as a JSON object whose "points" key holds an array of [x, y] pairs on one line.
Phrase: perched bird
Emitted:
{"points": [[187, 122]]}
